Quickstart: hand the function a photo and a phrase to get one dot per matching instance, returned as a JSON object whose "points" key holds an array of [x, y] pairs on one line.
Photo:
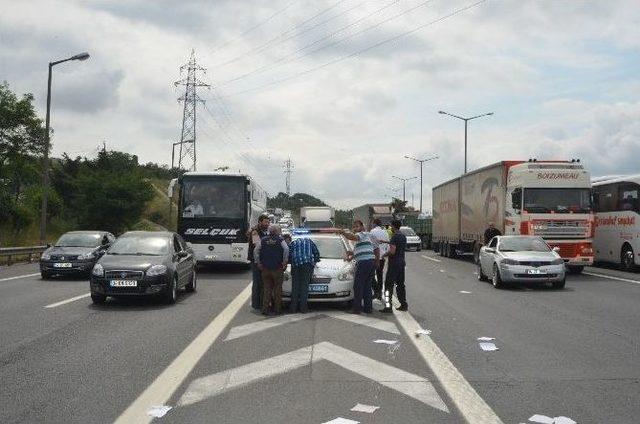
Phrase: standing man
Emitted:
{"points": [[382, 238], [271, 255], [255, 235], [490, 233], [395, 269], [303, 256], [367, 256]]}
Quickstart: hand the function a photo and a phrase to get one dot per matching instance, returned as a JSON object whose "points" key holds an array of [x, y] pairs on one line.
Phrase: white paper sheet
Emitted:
{"points": [[485, 339], [465, 292], [369, 409], [388, 342], [159, 411], [341, 420], [563, 420], [542, 419], [489, 347], [423, 332]]}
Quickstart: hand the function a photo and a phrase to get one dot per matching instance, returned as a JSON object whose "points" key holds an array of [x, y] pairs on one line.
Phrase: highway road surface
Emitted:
{"points": [[571, 353]]}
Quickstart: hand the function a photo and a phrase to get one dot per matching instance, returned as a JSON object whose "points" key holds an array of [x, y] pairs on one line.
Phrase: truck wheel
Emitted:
{"points": [[627, 260], [576, 269], [453, 251], [447, 250], [496, 279]]}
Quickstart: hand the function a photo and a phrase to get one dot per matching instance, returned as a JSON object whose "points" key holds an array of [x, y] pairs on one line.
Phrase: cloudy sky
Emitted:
{"points": [[344, 88]]}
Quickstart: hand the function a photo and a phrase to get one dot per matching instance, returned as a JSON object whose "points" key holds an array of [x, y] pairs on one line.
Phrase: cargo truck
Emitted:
{"points": [[317, 216], [550, 199]]}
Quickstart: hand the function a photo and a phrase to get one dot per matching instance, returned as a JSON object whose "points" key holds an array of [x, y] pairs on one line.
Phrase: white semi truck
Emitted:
{"points": [[551, 199], [317, 216]]}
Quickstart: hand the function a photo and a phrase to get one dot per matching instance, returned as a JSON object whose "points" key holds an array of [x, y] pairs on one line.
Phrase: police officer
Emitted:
{"points": [[255, 234]]}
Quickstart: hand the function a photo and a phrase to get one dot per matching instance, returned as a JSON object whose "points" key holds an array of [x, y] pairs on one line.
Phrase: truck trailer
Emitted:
{"points": [[551, 199], [317, 216]]}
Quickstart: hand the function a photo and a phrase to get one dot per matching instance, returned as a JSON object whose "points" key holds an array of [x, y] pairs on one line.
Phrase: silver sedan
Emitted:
{"points": [[520, 259]]}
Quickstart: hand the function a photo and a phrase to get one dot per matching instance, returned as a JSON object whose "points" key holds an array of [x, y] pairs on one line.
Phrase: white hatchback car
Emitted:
{"points": [[332, 279], [520, 259]]}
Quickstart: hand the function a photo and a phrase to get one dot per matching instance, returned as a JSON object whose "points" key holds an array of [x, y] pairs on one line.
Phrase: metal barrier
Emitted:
{"points": [[9, 255]]}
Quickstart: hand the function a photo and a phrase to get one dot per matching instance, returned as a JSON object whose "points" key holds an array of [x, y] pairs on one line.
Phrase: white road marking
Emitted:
{"points": [[19, 277], [267, 323], [412, 385], [64, 302], [593, 274], [431, 259], [472, 407], [159, 392]]}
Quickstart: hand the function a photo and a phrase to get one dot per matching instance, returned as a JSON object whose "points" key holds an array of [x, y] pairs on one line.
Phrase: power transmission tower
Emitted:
{"points": [[187, 144], [288, 169]]}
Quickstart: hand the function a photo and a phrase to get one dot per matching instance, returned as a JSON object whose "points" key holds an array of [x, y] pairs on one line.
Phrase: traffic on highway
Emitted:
{"points": [[320, 212]]}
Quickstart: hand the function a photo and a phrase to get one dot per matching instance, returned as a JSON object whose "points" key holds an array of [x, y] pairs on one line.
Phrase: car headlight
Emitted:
{"points": [[346, 274], [558, 261], [45, 256], [98, 270], [86, 256], [286, 276], [156, 270], [509, 262]]}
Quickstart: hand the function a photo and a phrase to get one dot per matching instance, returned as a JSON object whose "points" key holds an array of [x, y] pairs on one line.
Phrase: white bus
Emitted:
{"points": [[215, 211], [617, 207]]}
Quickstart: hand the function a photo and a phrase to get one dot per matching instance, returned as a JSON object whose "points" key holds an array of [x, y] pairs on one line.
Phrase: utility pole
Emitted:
{"points": [[187, 144], [421, 162], [466, 121], [288, 169], [404, 186]]}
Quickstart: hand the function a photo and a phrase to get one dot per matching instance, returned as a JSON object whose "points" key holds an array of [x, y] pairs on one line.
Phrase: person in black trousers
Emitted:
{"points": [[395, 269]]}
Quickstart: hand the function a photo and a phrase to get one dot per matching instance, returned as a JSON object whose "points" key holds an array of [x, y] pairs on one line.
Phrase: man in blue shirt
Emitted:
{"points": [[303, 256]]}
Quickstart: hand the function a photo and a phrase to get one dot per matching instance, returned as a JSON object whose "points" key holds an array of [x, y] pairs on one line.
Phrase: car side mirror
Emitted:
{"points": [[48, 245], [556, 249]]}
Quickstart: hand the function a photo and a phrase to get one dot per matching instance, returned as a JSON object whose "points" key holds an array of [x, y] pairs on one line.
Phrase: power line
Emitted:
{"points": [[253, 28], [331, 35], [264, 45], [356, 53]]}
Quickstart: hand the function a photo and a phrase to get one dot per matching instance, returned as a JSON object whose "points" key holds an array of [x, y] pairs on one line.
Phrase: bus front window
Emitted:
{"points": [[213, 199]]}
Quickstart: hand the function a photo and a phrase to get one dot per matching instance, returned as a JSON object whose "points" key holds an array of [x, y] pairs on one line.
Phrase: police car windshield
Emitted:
{"points": [[562, 200], [523, 244], [79, 240], [330, 247], [213, 198], [153, 246]]}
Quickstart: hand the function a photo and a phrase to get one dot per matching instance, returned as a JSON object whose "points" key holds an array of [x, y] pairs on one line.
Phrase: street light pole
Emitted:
{"points": [[45, 158], [421, 162], [404, 186], [466, 120]]}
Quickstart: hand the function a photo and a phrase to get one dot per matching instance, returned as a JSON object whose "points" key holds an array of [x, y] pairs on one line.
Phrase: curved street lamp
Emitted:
{"points": [[465, 130]]}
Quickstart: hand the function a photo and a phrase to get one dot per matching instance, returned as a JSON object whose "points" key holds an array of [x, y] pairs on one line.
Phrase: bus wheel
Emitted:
{"points": [[627, 260]]}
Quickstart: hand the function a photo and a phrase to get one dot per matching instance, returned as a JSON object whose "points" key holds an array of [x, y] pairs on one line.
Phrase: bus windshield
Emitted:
{"points": [[559, 200], [213, 198]]}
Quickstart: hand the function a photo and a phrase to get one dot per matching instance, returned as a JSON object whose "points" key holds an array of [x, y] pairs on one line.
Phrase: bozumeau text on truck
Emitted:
{"points": [[551, 199]]}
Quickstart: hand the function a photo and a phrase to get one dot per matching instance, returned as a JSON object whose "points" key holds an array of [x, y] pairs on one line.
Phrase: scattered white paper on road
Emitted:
{"points": [[485, 339], [159, 411], [489, 347], [423, 332], [369, 409], [563, 420], [341, 420], [542, 419], [389, 342], [442, 270], [465, 292]]}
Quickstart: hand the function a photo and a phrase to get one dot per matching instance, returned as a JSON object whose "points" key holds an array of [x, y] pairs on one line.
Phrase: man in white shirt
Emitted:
{"points": [[382, 238]]}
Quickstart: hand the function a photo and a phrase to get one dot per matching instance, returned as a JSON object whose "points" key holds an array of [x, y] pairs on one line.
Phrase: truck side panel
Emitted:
{"points": [[445, 212], [482, 201]]}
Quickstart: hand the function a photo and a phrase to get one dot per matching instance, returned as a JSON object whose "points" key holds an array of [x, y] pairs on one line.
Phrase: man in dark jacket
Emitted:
{"points": [[395, 269], [255, 234], [272, 255], [490, 233]]}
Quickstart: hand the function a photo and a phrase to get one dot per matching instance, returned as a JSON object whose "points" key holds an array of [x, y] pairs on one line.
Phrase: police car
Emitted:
{"points": [[332, 279]]}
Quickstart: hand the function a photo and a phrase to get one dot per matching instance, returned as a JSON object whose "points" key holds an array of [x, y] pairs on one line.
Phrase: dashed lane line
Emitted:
{"points": [[161, 390], [64, 302], [626, 280], [431, 259], [19, 277], [472, 407]]}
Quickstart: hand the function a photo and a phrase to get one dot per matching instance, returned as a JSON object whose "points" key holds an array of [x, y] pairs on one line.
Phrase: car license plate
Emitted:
{"points": [[318, 288], [124, 283], [62, 265], [536, 271]]}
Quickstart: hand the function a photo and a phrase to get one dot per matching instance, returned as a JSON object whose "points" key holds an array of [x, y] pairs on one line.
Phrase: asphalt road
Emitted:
{"points": [[572, 353]]}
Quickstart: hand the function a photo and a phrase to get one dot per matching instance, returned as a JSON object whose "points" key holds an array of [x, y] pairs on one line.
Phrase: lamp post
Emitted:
{"points": [[45, 160], [404, 186], [421, 162], [466, 120]]}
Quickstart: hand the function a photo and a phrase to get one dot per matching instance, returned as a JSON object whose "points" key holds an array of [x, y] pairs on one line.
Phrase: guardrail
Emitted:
{"points": [[9, 255]]}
